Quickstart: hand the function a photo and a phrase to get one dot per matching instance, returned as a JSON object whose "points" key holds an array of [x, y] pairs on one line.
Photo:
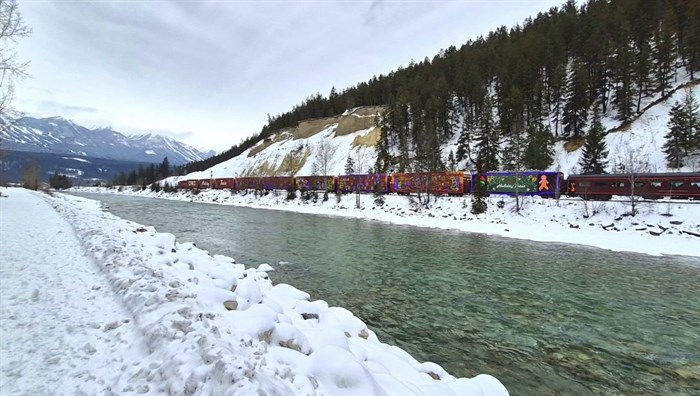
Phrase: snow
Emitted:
{"points": [[94, 304], [76, 159], [150, 152]]}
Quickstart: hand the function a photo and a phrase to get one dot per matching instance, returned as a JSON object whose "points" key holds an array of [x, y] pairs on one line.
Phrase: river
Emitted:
{"points": [[543, 318]]}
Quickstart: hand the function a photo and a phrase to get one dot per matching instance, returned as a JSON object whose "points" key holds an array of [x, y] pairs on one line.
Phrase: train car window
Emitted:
{"points": [[584, 184], [695, 184], [655, 184], [600, 184], [638, 184], [619, 184], [677, 184]]}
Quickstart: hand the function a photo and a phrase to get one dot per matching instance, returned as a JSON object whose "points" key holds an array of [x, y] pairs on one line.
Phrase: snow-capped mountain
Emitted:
{"points": [[60, 136]]}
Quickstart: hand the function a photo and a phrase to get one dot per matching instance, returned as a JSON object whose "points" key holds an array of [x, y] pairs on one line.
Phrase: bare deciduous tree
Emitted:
{"points": [[360, 161], [31, 175], [12, 28], [324, 158], [631, 162]]}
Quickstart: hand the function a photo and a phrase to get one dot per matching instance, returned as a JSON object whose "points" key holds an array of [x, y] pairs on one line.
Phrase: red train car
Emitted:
{"points": [[182, 184], [205, 183], [192, 184], [248, 183], [316, 183], [224, 183], [278, 183], [645, 185], [450, 183], [363, 183]]}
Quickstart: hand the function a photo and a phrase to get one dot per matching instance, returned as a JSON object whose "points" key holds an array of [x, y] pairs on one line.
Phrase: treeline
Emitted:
{"points": [[506, 96], [145, 175]]}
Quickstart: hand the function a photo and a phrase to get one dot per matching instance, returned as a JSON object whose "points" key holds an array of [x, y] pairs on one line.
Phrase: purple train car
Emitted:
{"points": [[363, 183], [542, 183]]}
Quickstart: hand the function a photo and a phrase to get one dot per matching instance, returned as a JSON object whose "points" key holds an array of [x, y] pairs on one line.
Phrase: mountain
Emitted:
{"points": [[56, 135], [294, 150]]}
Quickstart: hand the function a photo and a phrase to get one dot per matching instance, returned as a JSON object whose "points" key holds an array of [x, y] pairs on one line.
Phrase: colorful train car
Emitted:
{"points": [[450, 183], [278, 183], [645, 185], [316, 183], [368, 184], [544, 184]]}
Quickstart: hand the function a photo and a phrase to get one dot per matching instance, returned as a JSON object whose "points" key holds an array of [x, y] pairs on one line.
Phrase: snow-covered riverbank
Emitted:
{"points": [[660, 227], [94, 304]]}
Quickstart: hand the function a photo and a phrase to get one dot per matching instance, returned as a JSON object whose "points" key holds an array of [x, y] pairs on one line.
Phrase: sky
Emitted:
{"points": [[208, 73]]}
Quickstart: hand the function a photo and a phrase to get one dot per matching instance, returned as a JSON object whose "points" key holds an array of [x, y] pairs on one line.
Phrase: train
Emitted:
{"points": [[546, 184]]}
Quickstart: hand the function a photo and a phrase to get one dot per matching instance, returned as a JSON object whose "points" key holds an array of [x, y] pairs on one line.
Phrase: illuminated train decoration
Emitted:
{"points": [[684, 185]]}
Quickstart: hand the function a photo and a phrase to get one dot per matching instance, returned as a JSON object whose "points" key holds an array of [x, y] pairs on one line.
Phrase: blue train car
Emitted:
{"points": [[542, 183]]}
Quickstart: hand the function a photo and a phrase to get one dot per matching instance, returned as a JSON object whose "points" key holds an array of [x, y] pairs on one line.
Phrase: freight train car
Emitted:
{"points": [[248, 183], [645, 185], [224, 183], [450, 183], [544, 184], [278, 183], [363, 183], [316, 183]]}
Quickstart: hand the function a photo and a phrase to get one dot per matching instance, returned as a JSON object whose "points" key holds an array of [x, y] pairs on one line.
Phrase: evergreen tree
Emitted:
{"points": [[624, 75], [479, 204], [674, 146], [664, 54], [693, 111], [577, 101], [684, 130], [487, 140], [452, 161], [538, 152], [164, 168], [594, 156], [349, 166]]}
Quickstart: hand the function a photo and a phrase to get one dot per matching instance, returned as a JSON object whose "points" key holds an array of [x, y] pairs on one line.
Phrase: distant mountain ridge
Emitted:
{"points": [[56, 135]]}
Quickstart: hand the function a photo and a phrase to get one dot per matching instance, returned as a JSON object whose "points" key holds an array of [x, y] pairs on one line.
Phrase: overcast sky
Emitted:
{"points": [[208, 72]]}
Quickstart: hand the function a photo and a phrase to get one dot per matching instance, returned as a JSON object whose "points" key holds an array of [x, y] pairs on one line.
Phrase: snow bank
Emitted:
{"points": [[213, 326]]}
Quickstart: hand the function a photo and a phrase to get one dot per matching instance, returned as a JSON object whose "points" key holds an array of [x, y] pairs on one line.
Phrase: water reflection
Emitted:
{"points": [[543, 318]]}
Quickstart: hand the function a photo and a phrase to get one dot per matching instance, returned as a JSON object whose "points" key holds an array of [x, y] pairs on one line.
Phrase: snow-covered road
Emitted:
{"points": [[62, 328]]}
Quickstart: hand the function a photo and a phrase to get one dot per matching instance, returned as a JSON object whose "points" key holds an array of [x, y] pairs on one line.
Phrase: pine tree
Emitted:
{"points": [[479, 204], [664, 54], [487, 140], [684, 130], [692, 110], [577, 101], [350, 166], [673, 148], [538, 152], [164, 168], [594, 156]]}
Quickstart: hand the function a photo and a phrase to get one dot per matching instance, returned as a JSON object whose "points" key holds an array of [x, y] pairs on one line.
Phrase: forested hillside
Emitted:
{"points": [[505, 98]]}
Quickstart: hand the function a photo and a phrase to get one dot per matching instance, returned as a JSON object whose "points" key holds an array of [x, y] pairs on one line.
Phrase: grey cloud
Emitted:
{"points": [[51, 108], [371, 15]]}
